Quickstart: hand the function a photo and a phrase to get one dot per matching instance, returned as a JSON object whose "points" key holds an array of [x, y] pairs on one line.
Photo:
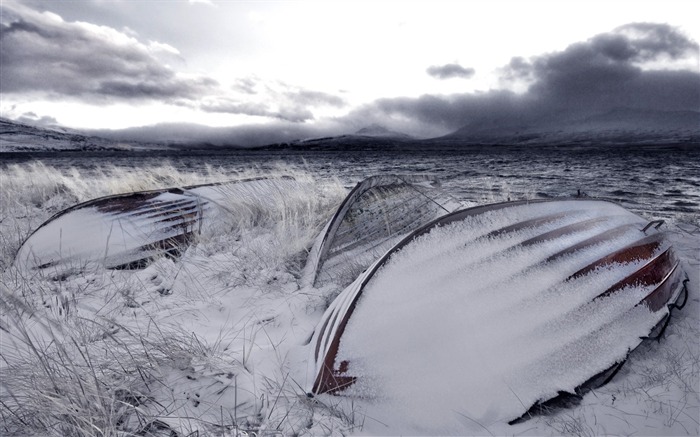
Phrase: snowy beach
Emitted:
{"points": [[215, 342]]}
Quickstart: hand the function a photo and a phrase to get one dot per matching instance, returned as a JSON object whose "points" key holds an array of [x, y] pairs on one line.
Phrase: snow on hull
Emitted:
{"points": [[376, 214], [494, 309], [128, 230]]}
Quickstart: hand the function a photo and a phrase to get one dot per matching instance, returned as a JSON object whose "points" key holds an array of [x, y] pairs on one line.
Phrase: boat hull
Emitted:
{"points": [[525, 299]]}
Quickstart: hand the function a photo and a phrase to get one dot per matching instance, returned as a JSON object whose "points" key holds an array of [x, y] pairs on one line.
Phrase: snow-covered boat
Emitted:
{"points": [[127, 230], [509, 304]]}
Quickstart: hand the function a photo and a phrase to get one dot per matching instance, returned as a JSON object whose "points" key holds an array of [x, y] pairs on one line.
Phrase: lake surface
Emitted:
{"points": [[656, 182]]}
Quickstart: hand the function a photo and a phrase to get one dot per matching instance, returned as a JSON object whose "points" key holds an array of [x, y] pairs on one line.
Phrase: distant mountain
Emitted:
{"points": [[618, 126], [347, 142], [22, 137], [372, 137], [637, 119], [621, 126], [377, 131]]}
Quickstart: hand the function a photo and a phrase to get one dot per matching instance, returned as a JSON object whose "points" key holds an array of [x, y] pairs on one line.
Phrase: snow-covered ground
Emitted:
{"points": [[215, 343]]}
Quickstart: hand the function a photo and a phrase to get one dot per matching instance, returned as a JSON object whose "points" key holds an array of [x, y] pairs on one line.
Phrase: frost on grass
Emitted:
{"points": [[212, 344], [195, 345], [31, 193]]}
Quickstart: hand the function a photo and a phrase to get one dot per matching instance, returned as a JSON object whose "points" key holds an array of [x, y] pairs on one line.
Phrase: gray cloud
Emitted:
{"points": [[517, 69], [449, 71], [291, 104], [246, 85], [605, 72], [33, 119], [287, 112], [649, 41], [315, 98], [294, 113], [235, 107], [127, 89], [40, 53]]}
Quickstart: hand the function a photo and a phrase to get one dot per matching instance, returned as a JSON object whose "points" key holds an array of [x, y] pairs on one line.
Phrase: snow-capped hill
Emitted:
{"points": [[22, 137]]}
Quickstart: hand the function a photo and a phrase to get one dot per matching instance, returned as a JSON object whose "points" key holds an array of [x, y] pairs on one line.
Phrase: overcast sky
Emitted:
{"points": [[291, 68]]}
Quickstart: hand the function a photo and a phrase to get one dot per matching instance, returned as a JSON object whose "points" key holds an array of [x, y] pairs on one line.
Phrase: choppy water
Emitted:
{"points": [[657, 182]]}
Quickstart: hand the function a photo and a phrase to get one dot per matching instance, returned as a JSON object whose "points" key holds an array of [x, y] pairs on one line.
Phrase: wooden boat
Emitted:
{"points": [[126, 231], [530, 299]]}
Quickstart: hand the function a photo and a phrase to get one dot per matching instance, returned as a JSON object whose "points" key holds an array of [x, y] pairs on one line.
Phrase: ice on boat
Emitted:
{"points": [[495, 309]]}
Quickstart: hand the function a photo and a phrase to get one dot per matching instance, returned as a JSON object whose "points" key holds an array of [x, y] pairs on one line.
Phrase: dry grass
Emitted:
{"points": [[92, 354]]}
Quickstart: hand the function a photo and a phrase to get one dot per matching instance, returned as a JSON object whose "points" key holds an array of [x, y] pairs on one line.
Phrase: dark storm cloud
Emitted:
{"points": [[41, 53], [611, 70], [449, 71], [449, 111], [605, 71]]}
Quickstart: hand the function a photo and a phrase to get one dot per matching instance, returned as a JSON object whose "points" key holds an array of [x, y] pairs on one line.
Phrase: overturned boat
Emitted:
{"points": [[507, 306], [374, 216], [126, 231]]}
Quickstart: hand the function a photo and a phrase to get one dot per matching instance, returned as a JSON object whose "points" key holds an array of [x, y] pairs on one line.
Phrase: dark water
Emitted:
{"points": [[656, 182]]}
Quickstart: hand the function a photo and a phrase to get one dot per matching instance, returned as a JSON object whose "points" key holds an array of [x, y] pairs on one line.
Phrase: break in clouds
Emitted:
{"points": [[44, 56]]}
